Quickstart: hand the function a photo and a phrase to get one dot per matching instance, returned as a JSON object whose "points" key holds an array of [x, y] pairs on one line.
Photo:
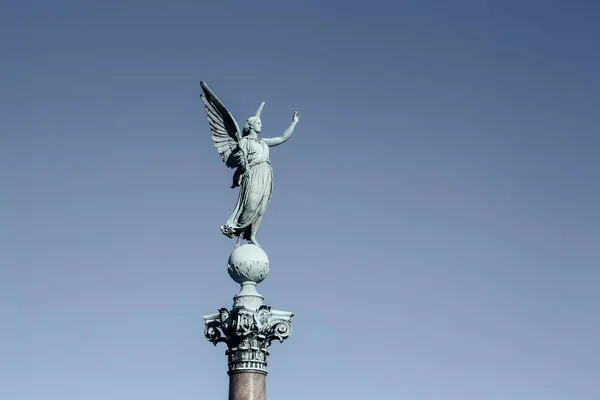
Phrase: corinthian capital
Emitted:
{"points": [[248, 334]]}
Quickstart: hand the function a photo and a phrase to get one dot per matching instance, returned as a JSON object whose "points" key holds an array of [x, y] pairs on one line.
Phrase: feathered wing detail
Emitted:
{"points": [[226, 133]]}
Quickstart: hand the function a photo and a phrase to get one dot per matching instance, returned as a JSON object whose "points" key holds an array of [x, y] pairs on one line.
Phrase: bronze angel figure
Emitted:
{"points": [[247, 153]]}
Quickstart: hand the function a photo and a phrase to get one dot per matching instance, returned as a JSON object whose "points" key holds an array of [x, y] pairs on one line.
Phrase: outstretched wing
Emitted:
{"points": [[225, 130]]}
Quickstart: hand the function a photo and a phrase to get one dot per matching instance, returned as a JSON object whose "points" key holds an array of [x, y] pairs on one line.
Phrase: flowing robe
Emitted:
{"points": [[255, 190]]}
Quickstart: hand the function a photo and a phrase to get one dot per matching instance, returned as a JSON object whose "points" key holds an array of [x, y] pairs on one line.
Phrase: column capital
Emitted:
{"points": [[248, 334]]}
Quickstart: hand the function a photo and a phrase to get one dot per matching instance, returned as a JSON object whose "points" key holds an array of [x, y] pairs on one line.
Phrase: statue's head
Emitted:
{"points": [[254, 121]]}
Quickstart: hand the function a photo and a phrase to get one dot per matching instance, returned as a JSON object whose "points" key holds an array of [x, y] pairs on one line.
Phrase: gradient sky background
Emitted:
{"points": [[435, 224]]}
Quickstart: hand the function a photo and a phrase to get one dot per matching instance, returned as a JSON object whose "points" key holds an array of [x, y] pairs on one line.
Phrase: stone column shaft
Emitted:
{"points": [[247, 385]]}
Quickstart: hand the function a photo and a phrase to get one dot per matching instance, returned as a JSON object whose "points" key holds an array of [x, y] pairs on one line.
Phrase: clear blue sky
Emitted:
{"points": [[435, 224]]}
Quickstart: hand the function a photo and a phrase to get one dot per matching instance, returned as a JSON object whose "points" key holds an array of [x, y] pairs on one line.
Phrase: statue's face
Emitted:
{"points": [[256, 125]]}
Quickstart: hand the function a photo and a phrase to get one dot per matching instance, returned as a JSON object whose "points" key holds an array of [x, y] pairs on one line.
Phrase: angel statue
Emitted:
{"points": [[249, 155]]}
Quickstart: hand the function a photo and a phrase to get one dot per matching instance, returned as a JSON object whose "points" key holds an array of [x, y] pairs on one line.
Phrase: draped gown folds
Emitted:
{"points": [[255, 190]]}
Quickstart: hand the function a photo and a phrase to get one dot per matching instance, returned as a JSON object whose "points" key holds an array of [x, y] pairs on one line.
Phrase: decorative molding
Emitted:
{"points": [[248, 301], [255, 271]]}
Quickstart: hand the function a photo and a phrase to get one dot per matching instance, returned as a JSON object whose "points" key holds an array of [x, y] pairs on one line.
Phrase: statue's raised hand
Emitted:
{"points": [[296, 116]]}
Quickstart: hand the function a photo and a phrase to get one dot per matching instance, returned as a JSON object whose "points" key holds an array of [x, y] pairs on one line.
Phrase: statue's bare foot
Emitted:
{"points": [[254, 241], [227, 231]]}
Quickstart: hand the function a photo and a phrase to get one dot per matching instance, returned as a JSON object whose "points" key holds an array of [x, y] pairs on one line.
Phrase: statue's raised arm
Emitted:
{"points": [[249, 154], [272, 142]]}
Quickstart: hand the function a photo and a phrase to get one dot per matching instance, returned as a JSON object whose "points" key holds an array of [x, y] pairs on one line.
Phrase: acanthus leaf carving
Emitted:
{"points": [[248, 334]]}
